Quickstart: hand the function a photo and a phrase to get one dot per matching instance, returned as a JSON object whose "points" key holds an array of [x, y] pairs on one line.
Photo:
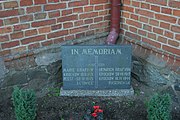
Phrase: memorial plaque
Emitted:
{"points": [[96, 67]]}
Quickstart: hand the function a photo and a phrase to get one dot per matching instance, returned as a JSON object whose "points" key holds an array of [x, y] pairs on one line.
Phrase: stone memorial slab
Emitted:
{"points": [[98, 69]]}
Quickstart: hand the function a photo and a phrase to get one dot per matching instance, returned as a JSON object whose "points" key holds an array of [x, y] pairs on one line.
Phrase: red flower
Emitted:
{"points": [[96, 107], [94, 114], [100, 111]]}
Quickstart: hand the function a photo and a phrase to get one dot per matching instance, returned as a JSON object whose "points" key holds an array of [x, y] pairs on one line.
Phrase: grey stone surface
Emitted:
{"points": [[153, 75], [156, 61], [3, 70], [14, 78], [47, 58], [37, 73], [115, 92]]}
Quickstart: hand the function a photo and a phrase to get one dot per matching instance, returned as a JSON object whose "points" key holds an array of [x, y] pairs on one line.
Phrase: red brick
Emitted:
{"points": [[26, 2], [78, 3], [66, 12], [47, 43], [79, 29], [98, 7], [53, 1], [173, 43], [56, 27], [125, 14], [142, 32], [10, 4], [104, 12], [33, 39], [166, 10], [169, 34], [67, 18], [129, 9], [147, 27], [88, 8], [99, 25], [91, 32], [39, 16], [107, 17], [154, 22], [11, 21], [165, 25], [57, 34], [16, 35], [166, 18], [67, 25], [135, 17], [5, 30], [88, 15], [177, 36], [155, 8], [58, 40], [98, 19], [78, 10], [33, 9], [174, 4], [145, 13], [10, 44], [98, 1], [80, 35], [26, 18], [175, 28], [58, 6], [39, 2], [158, 31], [21, 27], [158, 2], [153, 43], [4, 38], [145, 5], [8, 13], [43, 23], [79, 23], [30, 32], [1, 22], [144, 19], [54, 14], [176, 12], [126, 2], [171, 49], [5, 52], [162, 39], [133, 29], [88, 21], [44, 30], [133, 36], [134, 23], [135, 3], [107, 6], [33, 46], [70, 37], [152, 36]]}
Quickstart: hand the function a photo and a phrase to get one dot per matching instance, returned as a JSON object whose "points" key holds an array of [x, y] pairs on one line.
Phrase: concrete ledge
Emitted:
{"points": [[116, 92]]}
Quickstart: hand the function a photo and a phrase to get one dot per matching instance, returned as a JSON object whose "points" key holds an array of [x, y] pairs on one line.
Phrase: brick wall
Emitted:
{"points": [[30, 24], [153, 24]]}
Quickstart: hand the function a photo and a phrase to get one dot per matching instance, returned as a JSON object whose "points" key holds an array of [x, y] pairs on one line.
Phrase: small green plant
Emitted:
{"points": [[158, 107], [24, 102]]}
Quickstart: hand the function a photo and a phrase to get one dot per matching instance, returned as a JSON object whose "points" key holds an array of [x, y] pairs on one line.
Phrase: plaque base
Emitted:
{"points": [[114, 92]]}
